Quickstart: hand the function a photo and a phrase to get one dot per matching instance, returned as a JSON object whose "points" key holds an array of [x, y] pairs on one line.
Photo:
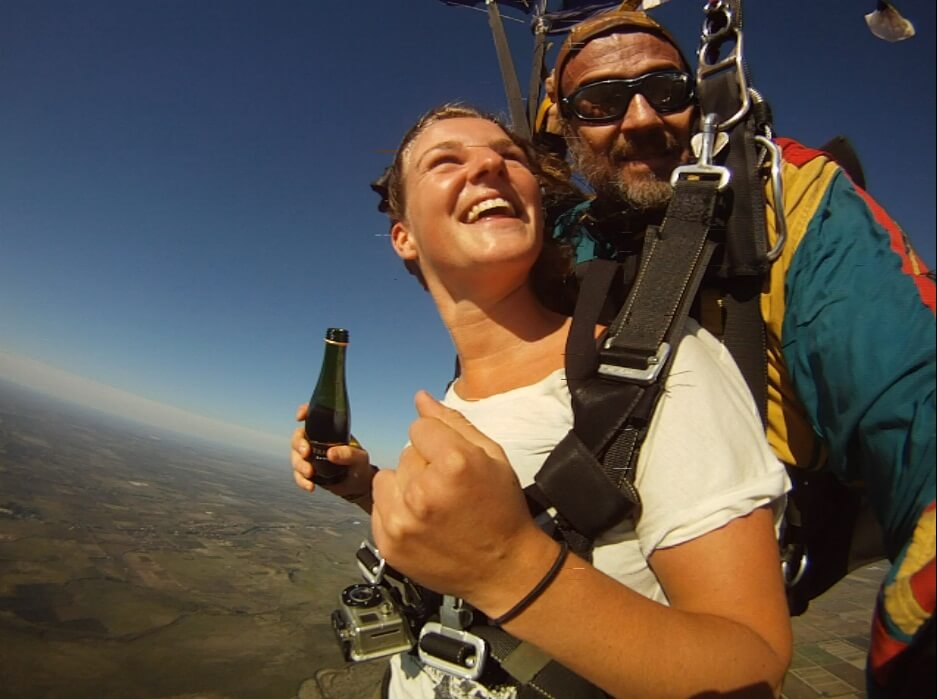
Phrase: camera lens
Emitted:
{"points": [[362, 595]]}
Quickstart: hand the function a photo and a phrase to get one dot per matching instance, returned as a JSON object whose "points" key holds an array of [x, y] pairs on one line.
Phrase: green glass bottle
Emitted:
{"points": [[328, 422]]}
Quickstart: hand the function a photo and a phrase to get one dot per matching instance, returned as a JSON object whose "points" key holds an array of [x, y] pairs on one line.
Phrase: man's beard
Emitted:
{"points": [[642, 192]]}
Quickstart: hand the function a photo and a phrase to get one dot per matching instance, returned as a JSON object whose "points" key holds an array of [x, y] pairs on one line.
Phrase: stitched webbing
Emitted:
{"points": [[538, 675]]}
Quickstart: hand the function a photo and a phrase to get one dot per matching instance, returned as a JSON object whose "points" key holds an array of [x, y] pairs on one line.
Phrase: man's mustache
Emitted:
{"points": [[646, 146]]}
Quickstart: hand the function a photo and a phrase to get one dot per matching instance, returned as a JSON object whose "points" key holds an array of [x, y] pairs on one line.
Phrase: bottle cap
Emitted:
{"points": [[336, 335]]}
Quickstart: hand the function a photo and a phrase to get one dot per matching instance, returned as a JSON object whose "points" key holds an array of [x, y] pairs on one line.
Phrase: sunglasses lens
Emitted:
{"points": [[600, 101], [667, 91]]}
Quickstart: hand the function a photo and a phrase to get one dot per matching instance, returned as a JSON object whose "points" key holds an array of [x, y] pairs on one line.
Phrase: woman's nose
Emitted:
{"points": [[487, 161]]}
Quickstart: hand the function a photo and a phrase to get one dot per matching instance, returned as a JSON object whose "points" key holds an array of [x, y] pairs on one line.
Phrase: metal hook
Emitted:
{"points": [[777, 189], [704, 168]]}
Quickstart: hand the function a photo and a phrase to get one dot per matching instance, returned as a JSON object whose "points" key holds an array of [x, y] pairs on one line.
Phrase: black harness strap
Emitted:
{"points": [[572, 479], [538, 676], [743, 261], [744, 336], [674, 260], [588, 476]]}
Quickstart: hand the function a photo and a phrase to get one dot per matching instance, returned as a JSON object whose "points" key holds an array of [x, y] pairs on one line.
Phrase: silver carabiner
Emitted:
{"points": [[777, 189]]}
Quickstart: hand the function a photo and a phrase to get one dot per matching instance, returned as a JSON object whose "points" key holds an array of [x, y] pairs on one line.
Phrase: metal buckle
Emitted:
{"points": [[370, 563], [474, 664], [455, 613], [704, 168], [643, 376], [703, 172]]}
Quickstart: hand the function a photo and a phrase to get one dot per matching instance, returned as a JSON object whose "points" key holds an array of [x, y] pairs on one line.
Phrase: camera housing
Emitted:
{"points": [[369, 624]]}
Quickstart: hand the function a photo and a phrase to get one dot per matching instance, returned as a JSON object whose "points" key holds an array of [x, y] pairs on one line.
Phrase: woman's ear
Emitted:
{"points": [[403, 242]]}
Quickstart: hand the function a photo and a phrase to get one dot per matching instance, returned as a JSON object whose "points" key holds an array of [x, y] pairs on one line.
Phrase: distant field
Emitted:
{"points": [[135, 565]]}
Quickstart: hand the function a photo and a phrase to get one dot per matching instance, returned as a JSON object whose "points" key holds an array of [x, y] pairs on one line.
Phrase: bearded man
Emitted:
{"points": [[848, 307]]}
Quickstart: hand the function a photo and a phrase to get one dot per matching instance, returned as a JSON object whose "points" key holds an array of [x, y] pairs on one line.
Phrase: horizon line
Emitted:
{"points": [[57, 382]]}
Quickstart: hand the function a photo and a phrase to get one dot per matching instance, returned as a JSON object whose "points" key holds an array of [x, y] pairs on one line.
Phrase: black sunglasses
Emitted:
{"points": [[607, 100]]}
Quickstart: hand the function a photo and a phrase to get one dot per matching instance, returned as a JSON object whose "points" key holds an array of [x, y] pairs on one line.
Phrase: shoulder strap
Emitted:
{"points": [[589, 476], [724, 91]]}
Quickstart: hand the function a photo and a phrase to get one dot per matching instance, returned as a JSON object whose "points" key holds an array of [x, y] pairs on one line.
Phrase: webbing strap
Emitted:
{"points": [[746, 239], [524, 662], [743, 261], [573, 479], [744, 337], [589, 476], [674, 261], [537, 674]]}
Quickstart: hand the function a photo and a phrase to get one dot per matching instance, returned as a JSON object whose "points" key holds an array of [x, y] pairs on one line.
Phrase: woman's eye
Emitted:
{"points": [[442, 160], [516, 156]]}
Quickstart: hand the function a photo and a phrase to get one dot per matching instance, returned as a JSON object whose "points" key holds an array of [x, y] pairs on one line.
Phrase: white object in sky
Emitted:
{"points": [[888, 24]]}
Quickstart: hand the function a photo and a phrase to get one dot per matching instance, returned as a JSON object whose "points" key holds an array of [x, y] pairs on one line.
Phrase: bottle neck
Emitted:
{"points": [[331, 384]]}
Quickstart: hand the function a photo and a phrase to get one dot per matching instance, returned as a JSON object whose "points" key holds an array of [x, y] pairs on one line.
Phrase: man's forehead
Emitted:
{"points": [[620, 54]]}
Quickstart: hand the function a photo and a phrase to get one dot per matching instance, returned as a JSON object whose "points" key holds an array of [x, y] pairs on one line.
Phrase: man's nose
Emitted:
{"points": [[640, 115]]}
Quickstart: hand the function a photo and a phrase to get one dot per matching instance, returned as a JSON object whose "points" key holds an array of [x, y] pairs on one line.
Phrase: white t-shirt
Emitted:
{"points": [[705, 461]]}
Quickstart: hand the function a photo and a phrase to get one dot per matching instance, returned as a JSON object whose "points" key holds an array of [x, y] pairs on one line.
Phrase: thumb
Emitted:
{"points": [[429, 407]]}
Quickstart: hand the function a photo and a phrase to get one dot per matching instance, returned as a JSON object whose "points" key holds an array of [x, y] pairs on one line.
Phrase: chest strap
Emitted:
{"points": [[615, 384]]}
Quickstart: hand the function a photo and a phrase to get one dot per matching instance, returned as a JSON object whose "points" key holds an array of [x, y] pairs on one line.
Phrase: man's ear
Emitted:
{"points": [[403, 242]]}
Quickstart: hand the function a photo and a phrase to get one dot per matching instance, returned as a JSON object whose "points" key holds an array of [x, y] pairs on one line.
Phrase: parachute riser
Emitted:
{"points": [[728, 103]]}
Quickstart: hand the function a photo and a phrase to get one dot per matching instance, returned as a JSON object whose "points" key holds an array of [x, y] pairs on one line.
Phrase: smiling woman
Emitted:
{"points": [[694, 578], [552, 267], [474, 209]]}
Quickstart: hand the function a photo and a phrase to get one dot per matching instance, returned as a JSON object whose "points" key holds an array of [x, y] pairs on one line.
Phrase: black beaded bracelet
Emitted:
{"points": [[538, 588]]}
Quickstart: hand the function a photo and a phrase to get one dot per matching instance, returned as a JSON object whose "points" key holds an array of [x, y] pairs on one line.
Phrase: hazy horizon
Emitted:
{"points": [[56, 382]]}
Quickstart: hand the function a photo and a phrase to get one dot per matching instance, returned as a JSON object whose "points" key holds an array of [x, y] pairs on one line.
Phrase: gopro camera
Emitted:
{"points": [[369, 624]]}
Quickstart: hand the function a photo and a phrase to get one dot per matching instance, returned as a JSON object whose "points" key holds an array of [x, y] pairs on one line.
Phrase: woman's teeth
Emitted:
{"points": [[489, 204]]}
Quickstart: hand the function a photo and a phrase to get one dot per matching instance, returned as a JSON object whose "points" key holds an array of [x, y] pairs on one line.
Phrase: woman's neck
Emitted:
{"points": [[506, 343]]}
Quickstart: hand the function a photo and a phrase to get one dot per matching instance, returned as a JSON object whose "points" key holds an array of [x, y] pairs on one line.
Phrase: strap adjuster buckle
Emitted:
{"points": [[645, 376], [704, 169], [454, 651], [702, 172]]}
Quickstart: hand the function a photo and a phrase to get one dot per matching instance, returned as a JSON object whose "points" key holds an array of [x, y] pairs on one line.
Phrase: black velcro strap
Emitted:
{"points": [[576, 484], [674, 261]]}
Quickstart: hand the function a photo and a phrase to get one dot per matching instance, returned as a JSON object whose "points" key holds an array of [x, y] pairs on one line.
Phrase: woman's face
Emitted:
{"points": [[472, 202]]}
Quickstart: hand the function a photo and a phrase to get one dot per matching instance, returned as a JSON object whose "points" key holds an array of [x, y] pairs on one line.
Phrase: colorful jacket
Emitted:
{"points": [[849, 316]]}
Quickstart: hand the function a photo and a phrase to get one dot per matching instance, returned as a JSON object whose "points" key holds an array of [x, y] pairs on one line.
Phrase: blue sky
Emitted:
{"points": [[184, 201]]}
